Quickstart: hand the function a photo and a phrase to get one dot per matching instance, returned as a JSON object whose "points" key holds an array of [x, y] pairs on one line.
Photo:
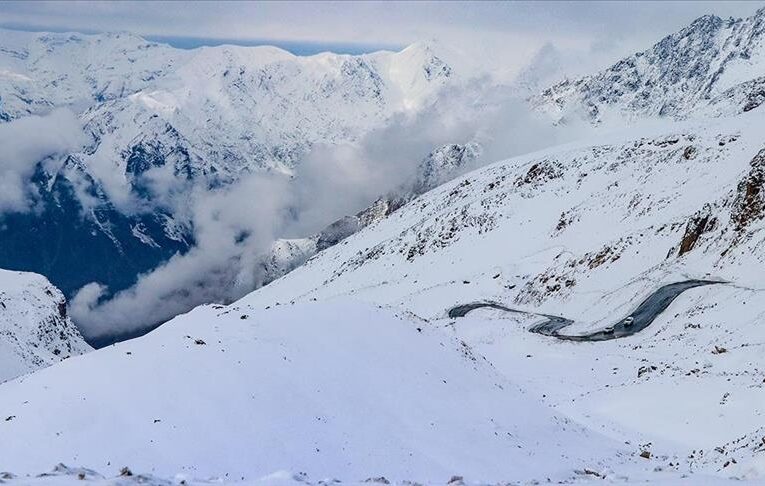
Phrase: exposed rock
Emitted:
{"points": [[683, 72], [696, 226], [719, 350], [539, 173], [749, 204]]}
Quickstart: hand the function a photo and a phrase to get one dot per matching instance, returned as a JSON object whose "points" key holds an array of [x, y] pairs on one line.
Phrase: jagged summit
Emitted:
{"points": [[703, 67]]}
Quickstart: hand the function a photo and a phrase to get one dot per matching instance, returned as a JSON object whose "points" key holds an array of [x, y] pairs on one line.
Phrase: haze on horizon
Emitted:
{"points": [[507, 33]]}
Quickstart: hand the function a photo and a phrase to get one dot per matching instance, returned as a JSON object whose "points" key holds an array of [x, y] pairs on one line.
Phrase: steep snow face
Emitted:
{"points": [[710, 62], [34, 329], [586, 232], [239, 109], [334, 390]]}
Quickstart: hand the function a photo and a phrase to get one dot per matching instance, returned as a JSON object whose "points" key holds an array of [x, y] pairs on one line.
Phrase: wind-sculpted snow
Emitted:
{"points": [[333, 390], [35, 331]]}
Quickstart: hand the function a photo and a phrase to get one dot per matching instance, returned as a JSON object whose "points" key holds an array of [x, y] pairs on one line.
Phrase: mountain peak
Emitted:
{"points": [[685, 71], [708, 20]]}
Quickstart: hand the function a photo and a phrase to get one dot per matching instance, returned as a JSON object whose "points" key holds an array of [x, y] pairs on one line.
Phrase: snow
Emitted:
{"points": [[348, 367], [365, 376], [587, 232], [683, 73], [33, 331], [339, 389], [232, 108]]}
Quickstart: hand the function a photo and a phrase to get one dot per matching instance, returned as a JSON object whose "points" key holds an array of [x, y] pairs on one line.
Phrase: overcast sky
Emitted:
{"points": [[612, 29]]}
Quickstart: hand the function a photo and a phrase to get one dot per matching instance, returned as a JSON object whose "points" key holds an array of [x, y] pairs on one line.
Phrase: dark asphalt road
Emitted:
{"points": [[642, 316]]}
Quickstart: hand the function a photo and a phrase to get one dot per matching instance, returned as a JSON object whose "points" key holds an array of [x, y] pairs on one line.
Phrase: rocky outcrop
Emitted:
{"points": [[35, 330], [697, 225], [684, 71], [749, 202], [440, 165]]}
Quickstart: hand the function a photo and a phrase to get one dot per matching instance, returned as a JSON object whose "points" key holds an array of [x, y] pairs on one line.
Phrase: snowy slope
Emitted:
{"points": [[42, 70], [442, 164], [34, 329], [328, 390], [586, 232], [341, 388]]}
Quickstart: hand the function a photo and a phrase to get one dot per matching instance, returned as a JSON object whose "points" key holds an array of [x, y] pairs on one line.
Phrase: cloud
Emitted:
{"points": [[232, 225], [25, 143]]}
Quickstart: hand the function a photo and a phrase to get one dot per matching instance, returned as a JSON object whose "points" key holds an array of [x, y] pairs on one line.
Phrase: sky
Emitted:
{"points": [[508, 32]]}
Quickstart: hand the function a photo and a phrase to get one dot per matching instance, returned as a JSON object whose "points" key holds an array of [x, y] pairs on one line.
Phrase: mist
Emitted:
{"points": [[236, 225], [27, 141]]}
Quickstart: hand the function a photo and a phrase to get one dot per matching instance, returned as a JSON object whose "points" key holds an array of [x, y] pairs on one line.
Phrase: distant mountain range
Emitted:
{"points": [[202, 117]]}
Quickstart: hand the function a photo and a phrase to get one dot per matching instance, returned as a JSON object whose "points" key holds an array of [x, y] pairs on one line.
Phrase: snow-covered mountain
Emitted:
{"points": [[35, 331], [712, 68], [163, 121], [712, 65], [350, 368], [355, 366], [218, 110], [442, 164]]}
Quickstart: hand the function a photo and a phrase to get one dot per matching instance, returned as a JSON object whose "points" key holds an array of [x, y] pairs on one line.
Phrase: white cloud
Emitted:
{"points": [[232, 225], [27, 141]]}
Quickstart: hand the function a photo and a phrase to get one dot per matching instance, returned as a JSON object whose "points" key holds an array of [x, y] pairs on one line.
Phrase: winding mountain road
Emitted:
{"points": [[641, 317]]}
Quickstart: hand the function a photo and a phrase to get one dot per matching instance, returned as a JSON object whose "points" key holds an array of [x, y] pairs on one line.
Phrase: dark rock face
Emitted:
{"points": [[436, 68], [755, 95], [749, 203], [696, 226]]}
